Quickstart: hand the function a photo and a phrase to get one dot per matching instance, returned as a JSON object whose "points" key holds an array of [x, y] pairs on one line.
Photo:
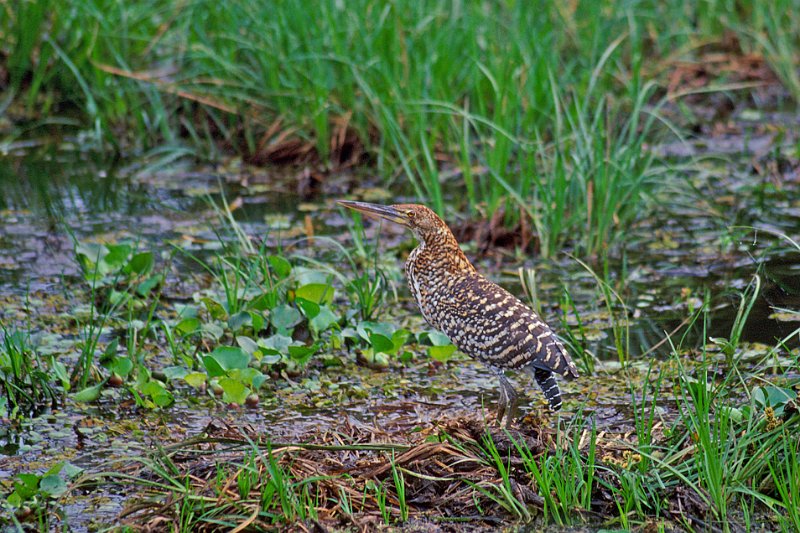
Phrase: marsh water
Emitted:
{"points": [[699, 242]]}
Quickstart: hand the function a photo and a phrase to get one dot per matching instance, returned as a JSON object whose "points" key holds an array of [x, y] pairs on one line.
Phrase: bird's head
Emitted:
{"points": [[418, 218]]}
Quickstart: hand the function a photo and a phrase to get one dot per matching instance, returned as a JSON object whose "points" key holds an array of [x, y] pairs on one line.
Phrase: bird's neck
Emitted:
{"points": [[442, 252]]}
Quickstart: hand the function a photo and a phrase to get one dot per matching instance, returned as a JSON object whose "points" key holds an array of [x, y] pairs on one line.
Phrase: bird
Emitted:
{"points": [[482, 319]]}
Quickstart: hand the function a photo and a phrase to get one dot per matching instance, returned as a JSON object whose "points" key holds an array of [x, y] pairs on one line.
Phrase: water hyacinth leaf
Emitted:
{"points": [[319, 293], [213, 330], [324, 319], [264, 301], [53, 485], [245, 375], [366, 328], [437, 338], [214, 308], [769, 396], [229, 357], [27, 485], [89, 394], [144, 288], [60, 371], [213, 368], [157, 393], [441, 353], [734, 413], [117, 298], [117, 256], [400, 337], [381, 343], [309, 308], [258, 380], [195, 379], [187, 326], [350, 333], [284, 317], [306, 276], [248, 345], [140, 264], [240, 320], [175, 372], [441, 348], [233, 391], [280, 266], [301, 354], [91, 252], [111, 348], [276, 343], [69, 470], [257, 321], [122, 366]]}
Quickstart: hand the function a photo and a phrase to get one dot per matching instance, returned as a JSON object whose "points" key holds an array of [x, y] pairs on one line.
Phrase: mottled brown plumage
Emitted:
{"points": [[481, 318]]}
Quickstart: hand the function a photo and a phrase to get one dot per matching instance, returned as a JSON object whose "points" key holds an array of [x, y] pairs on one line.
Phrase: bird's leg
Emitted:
{"points": [[508, 400]]}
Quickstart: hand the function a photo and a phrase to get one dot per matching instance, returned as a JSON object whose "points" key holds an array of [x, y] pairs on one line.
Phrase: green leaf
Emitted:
{"points": [[441, 353], [70, 470], [117, 256], [319, 293], [140, 264], [175, 372], [366, 328], [233, 390], [769, 396], [122, 366], [230, 357], [214, 308], [195, 379], [381, 343], [284, 317], [53, 485], [280, 266], [277, 343], [438, 338], [257, 320], [213, 329], [156, 391], [302, 354], [400, 337], [93, 252], [264, 301], [309, 308], [248, 345], [325, 319], [144, 288], [239, 320], [258, 380], [29, 481], [111, 349], [89, 394], [188, 326], [60, 371]]}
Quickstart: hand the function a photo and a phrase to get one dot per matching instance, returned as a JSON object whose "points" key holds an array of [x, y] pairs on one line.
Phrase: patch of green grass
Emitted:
{"points": [[27, 381], [544, 112]]}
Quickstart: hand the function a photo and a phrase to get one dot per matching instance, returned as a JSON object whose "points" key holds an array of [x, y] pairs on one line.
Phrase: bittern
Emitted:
{"points": [[482, 319]]}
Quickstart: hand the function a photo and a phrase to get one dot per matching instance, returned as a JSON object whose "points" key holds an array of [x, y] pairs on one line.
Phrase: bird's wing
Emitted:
{"points": [[488, 323]]}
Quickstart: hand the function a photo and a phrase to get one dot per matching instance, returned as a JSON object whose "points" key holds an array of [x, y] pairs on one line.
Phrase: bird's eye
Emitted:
{"points": [[410, 214]]}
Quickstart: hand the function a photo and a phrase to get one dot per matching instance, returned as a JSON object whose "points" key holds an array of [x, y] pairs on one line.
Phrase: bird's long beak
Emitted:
{"points": [[381, 211]]}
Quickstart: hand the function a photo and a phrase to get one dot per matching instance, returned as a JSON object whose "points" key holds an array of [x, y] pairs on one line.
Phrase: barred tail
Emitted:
{"points": [[547, 381]]}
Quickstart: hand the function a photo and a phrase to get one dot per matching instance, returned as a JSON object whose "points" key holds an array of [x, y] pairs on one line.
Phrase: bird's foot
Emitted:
{"points": [[508, 402]]}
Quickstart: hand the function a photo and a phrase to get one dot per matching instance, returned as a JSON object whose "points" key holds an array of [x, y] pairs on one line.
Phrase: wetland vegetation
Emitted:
{"points": [[193, 337]]}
